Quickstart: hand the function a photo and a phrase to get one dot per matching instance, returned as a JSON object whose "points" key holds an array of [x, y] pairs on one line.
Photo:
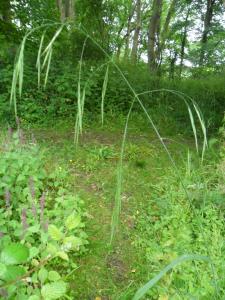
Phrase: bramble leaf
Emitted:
{"points": [[14, 254], [55, 233], [73, 221], [53, 276], [43, 275], [53, 290]]}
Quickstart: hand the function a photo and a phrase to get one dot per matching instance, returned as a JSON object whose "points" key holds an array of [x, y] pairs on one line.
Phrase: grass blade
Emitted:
{"points": [[48, 67], [38, 63], [193, 127], [143, 290], [50, 44], [117, 206], [20, 67], [80, 100], [104, 87]]}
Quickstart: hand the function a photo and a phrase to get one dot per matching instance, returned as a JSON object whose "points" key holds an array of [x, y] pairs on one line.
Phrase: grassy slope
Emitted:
{"points": [[110, 272]]}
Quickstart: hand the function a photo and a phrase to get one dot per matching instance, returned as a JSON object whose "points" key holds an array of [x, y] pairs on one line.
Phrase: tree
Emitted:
{"points": [[136, 32], [129, 29], [184, 39], [66, 9], [5, 11], [153, 35], [165, 29], [207, 26]]}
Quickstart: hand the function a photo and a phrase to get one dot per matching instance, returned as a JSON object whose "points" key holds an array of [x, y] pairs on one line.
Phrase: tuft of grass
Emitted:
{"points": [[144, 289]]}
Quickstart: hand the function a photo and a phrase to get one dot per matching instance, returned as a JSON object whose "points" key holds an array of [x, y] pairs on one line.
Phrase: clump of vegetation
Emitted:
{"points": [[170, 226], [117, 93], [41, 223]]}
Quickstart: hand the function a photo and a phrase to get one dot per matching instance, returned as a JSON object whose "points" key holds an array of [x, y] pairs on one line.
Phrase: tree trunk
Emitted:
{"points": [[66, 9], [183, 41], [126, 53], [136, 32], [5, 10], [172, 66], [165, 29], [69, 9], [207, 26], [153, 34]]}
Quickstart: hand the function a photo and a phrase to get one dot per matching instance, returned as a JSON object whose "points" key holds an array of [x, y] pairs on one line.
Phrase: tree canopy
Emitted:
{"points": [[176, 37]]}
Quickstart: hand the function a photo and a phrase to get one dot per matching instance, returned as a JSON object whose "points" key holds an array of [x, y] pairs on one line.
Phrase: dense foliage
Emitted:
{"points": [[148, 208], [117, 31]]}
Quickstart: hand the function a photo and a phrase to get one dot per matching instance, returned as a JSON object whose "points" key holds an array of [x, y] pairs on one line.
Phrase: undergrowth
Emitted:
{"points": [[168, 228], [41, 223], [180, 230]]}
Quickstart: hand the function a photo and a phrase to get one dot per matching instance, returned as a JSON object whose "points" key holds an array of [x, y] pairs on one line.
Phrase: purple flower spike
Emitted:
{"points": [[32, 188], [42, 206], [34, 210], [7, 197], [45, 226], [24, 222], [24, 219], [32, 192]]}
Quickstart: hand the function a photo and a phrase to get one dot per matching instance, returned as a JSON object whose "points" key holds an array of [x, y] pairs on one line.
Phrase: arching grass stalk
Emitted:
{"points": [[117, 205], [80, 100], [119, 182], [197, 110], [104, 87], [201, 121], [18, 73]]}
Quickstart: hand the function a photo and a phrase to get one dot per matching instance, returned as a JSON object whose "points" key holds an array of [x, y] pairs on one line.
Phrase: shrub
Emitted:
{"points": [[41, 222]]}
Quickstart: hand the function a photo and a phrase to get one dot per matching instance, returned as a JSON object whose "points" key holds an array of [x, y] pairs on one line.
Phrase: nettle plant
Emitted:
{"points": [[33, 238]]}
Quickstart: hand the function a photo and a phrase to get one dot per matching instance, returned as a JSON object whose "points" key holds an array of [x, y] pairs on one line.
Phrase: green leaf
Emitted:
{"points": [[3, 269], [53, 290], [63, 255], [14, 254], [34, 229], [43, 275], [73, 221], [34, 297], [55, 233], [53, 276], [33, 252], [72, 242], [51, 249], [13, 272]]}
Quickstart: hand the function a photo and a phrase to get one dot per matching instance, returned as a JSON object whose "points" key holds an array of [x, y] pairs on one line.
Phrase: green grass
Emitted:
{"points": [[106, 171], [157, 224]]}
